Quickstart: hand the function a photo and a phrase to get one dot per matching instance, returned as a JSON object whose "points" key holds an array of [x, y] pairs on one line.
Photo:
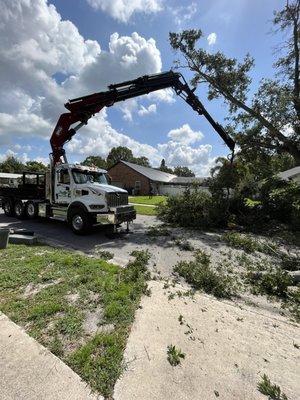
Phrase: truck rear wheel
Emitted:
{"points": [[8, 208], [80, 221], [19, 209], [31, 210]]}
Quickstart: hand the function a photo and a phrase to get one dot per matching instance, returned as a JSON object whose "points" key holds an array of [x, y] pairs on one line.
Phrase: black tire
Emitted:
{"points": [[31, 210], [79, 221], [19, 209], [8, 207]]}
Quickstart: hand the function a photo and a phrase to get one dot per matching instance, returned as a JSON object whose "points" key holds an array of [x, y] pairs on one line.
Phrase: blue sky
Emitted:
{"points": [[56, 62]]}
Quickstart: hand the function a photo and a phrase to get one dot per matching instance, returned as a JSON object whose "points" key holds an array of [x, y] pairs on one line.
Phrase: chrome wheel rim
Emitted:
{"points": [[19, 209], [7, 208], [30, 209], [77, 222]]}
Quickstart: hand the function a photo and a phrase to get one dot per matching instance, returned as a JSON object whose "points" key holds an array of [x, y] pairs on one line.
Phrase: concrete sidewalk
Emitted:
{"points": [[28, 371]]}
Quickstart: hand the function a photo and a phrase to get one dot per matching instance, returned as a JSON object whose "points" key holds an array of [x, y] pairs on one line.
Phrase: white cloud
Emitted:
{"points": [[185, 135], [31, 100], [183, 14], [212, 38], [147, 110], [122, 10]]}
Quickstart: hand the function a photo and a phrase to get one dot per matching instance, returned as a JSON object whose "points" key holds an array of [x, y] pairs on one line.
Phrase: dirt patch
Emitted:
{"points": [[92, 321], [32, 289], [72, 297]]}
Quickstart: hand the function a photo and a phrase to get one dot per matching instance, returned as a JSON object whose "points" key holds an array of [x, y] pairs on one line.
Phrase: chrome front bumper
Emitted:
{"points": [[117, 215]]}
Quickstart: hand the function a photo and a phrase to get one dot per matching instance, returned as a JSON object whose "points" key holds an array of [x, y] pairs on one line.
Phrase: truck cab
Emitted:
{"points": [[83, 196]]}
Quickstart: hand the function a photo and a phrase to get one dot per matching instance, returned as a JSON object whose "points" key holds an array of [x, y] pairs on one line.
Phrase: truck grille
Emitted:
{"points": [[117, 199]]}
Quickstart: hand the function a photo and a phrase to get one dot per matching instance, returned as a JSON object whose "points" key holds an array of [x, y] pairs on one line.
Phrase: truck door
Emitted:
{"points": [[62, 186]]}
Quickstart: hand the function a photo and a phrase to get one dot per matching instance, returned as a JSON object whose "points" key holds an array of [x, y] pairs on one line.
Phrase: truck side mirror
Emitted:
{"points": [[108, 177]]}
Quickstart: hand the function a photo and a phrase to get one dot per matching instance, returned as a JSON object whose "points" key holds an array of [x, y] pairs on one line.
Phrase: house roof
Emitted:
{"points": [[10, 176], [186, 179], [160, 176], [151, 173], [289, 173]]}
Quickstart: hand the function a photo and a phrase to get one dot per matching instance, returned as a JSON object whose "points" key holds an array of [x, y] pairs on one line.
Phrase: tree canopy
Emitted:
{"points": [[270, 120]]}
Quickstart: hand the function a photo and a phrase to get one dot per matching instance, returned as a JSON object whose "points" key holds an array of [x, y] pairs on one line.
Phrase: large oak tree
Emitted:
{"points": [[269, 120]]}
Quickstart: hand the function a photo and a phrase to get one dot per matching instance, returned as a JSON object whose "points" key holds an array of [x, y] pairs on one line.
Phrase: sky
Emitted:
{"points": [[55, 50]]}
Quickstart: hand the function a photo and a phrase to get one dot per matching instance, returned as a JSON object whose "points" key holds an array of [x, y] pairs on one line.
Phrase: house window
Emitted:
{"points": [[137, 185]]}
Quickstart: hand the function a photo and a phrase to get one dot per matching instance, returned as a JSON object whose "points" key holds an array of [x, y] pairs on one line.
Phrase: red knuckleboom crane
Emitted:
{"points": [[83, 108]]}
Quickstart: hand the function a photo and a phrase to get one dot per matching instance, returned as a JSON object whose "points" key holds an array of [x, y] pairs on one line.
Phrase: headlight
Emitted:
{"points": [[96, 206]]}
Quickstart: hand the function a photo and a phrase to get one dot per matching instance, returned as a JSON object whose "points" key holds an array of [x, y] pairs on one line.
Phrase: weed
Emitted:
{"points": [[181, 319], [273, 282], [184, 244], [202, 277], [239, 241], [296, 345], [105, 255], [271, 390], [160, 230], [174, 355]]}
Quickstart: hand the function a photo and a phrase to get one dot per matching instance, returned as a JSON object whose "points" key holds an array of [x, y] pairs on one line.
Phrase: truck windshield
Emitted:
{"points": [[81, 176]]}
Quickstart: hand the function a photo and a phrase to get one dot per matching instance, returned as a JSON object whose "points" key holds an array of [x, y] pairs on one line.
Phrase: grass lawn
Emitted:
{"points": [[81, 308], [145, 210], [154, 200]]}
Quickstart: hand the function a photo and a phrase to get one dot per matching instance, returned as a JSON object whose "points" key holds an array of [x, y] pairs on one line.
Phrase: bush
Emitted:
{"points": [[201, 276], [190, 209], [273, 282]]}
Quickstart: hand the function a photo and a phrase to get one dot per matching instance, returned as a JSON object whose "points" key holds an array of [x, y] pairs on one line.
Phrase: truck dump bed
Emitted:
{"points": [[31, 187]]}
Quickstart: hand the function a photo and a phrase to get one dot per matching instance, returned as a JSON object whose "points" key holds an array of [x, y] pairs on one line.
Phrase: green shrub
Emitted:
{"points": [[201, 276], [243, 242], [273, 282], [190, 209]]}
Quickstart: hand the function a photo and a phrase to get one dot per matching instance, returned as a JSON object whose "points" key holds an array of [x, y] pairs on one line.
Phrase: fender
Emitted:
{"points": [[76, 204]]}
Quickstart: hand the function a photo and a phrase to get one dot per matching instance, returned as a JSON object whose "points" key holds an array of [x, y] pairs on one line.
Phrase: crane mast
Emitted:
{"points": [[83, 108]]}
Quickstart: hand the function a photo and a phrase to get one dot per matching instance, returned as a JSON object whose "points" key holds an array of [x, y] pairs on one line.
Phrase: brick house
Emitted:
{"points": [[140, 180]]}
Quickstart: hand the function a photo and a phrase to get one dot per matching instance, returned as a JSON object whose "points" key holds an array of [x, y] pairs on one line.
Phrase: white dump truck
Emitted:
{"points": [[74, 193]]}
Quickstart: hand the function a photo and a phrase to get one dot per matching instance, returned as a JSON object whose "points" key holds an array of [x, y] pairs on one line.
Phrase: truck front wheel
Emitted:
{"points": [[8, 208], [80, 221]]}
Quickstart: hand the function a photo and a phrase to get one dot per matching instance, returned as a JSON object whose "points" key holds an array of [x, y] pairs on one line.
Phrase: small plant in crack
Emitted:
{"points": [[174, 355], [184, 244], [155, 231], [271, 390]]}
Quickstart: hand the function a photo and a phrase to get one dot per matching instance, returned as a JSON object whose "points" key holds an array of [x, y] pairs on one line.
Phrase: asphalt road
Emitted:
{"points": [[58, 233]]}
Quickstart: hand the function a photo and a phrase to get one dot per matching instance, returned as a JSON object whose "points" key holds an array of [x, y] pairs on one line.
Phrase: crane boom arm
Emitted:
{"points": [[83, 108]]}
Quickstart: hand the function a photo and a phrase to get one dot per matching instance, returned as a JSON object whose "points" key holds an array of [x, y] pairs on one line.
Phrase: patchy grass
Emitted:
{"points": [[202, 276], [271, 390], [145, 210], [154, 200], [174, 355], [243, 242], [57, 314]]}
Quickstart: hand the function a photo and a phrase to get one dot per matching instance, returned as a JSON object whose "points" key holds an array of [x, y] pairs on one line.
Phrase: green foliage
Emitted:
{"points": [[12, 165], [202, 276], [158, 230], [271, 390], [274, 282], [124, 153], [259, 122], [164, 168], [243, 242], [35, 166], [174, 355], [191, 209], [95, 161], [183, 171], [184, 244]]}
